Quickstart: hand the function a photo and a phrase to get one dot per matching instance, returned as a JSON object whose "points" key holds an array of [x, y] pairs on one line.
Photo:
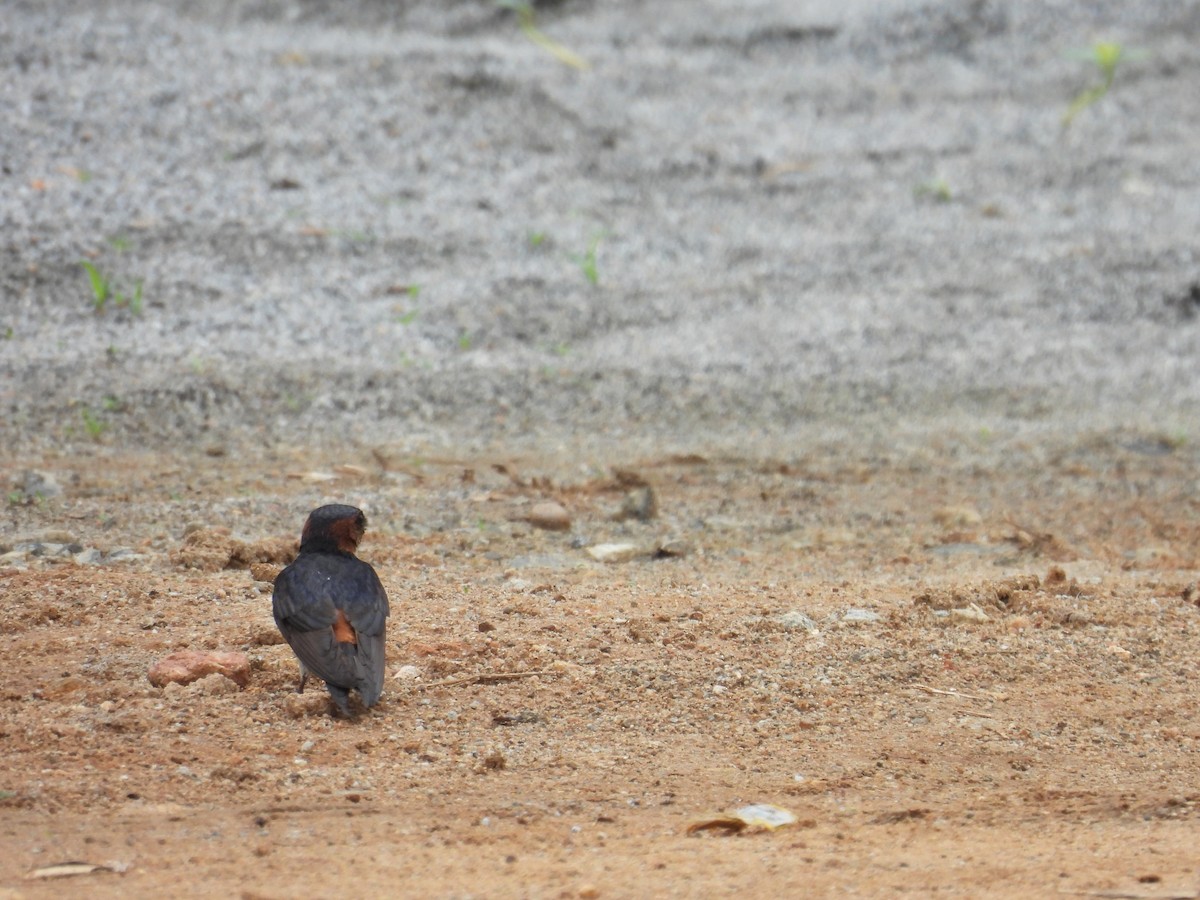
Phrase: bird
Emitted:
{"points": [[332, 609]]}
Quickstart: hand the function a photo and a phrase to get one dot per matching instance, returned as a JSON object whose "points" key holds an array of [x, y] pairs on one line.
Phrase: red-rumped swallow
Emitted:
{"points": [[332, 609]]}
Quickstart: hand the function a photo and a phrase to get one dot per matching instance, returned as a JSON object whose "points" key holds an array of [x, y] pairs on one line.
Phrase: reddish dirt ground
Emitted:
{"points": [[965, 667]]}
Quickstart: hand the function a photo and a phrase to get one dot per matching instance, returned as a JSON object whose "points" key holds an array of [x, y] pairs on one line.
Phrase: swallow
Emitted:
{"points": [[332, 609]]}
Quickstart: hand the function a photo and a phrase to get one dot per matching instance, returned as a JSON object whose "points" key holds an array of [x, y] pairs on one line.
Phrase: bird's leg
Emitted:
{"points": [[303, 678]]}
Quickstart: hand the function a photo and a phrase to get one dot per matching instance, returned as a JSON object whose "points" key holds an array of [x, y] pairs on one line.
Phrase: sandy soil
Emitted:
{"points": [[906, 362], [965, 667]]}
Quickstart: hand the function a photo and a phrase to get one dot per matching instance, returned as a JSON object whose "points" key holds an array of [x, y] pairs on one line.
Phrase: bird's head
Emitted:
{"points": [[335, 527]]}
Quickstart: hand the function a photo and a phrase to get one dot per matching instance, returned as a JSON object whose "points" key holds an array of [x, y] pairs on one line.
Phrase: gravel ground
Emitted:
{"points": [[373, 221]]}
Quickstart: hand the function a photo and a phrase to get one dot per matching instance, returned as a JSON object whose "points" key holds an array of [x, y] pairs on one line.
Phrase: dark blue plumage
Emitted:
{"points": [[332, 609]]}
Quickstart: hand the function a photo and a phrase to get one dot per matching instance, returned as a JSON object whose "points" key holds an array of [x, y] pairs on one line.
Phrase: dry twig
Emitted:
{"points": [[932, 690], [488, 678]]}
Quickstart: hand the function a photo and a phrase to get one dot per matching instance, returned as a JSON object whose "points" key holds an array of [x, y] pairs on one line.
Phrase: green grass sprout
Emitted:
{"points": [[103, 291], [525, 18], [100, 287], [135, 301], [407, 316], [1106, 56], [587, 261], [94, 425], [936, 188]]}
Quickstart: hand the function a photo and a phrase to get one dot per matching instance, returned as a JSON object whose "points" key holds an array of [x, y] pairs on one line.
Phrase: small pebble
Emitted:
{"points": [[861, 616], [613, 553], [549, 515], [34, 484], [186, 666], [969, 614], [796, 620]]}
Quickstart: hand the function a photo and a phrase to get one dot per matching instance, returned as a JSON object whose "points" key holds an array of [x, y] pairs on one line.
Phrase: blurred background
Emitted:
{"points": [[235, 224]]}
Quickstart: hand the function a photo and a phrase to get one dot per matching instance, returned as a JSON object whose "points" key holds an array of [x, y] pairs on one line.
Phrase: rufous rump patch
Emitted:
{"points": [[343, 631]]}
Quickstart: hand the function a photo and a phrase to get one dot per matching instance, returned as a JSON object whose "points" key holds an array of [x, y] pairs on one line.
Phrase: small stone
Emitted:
{"points": [[613, 553], [313, 477], [861, 617], [186, 666], [549, 515], [794, 620], [34, 484], [589, 892], [970, 613], [123, 554], [407, 673]]}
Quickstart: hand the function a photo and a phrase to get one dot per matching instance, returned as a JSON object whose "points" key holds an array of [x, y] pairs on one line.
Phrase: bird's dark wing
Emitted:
{"points": [[371, 667], [302, 599], [367, 609], [363, 599], [308, 596]]}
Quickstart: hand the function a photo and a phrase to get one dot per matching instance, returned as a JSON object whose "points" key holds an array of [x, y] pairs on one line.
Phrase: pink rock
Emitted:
{"points": [[187, 666]]}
